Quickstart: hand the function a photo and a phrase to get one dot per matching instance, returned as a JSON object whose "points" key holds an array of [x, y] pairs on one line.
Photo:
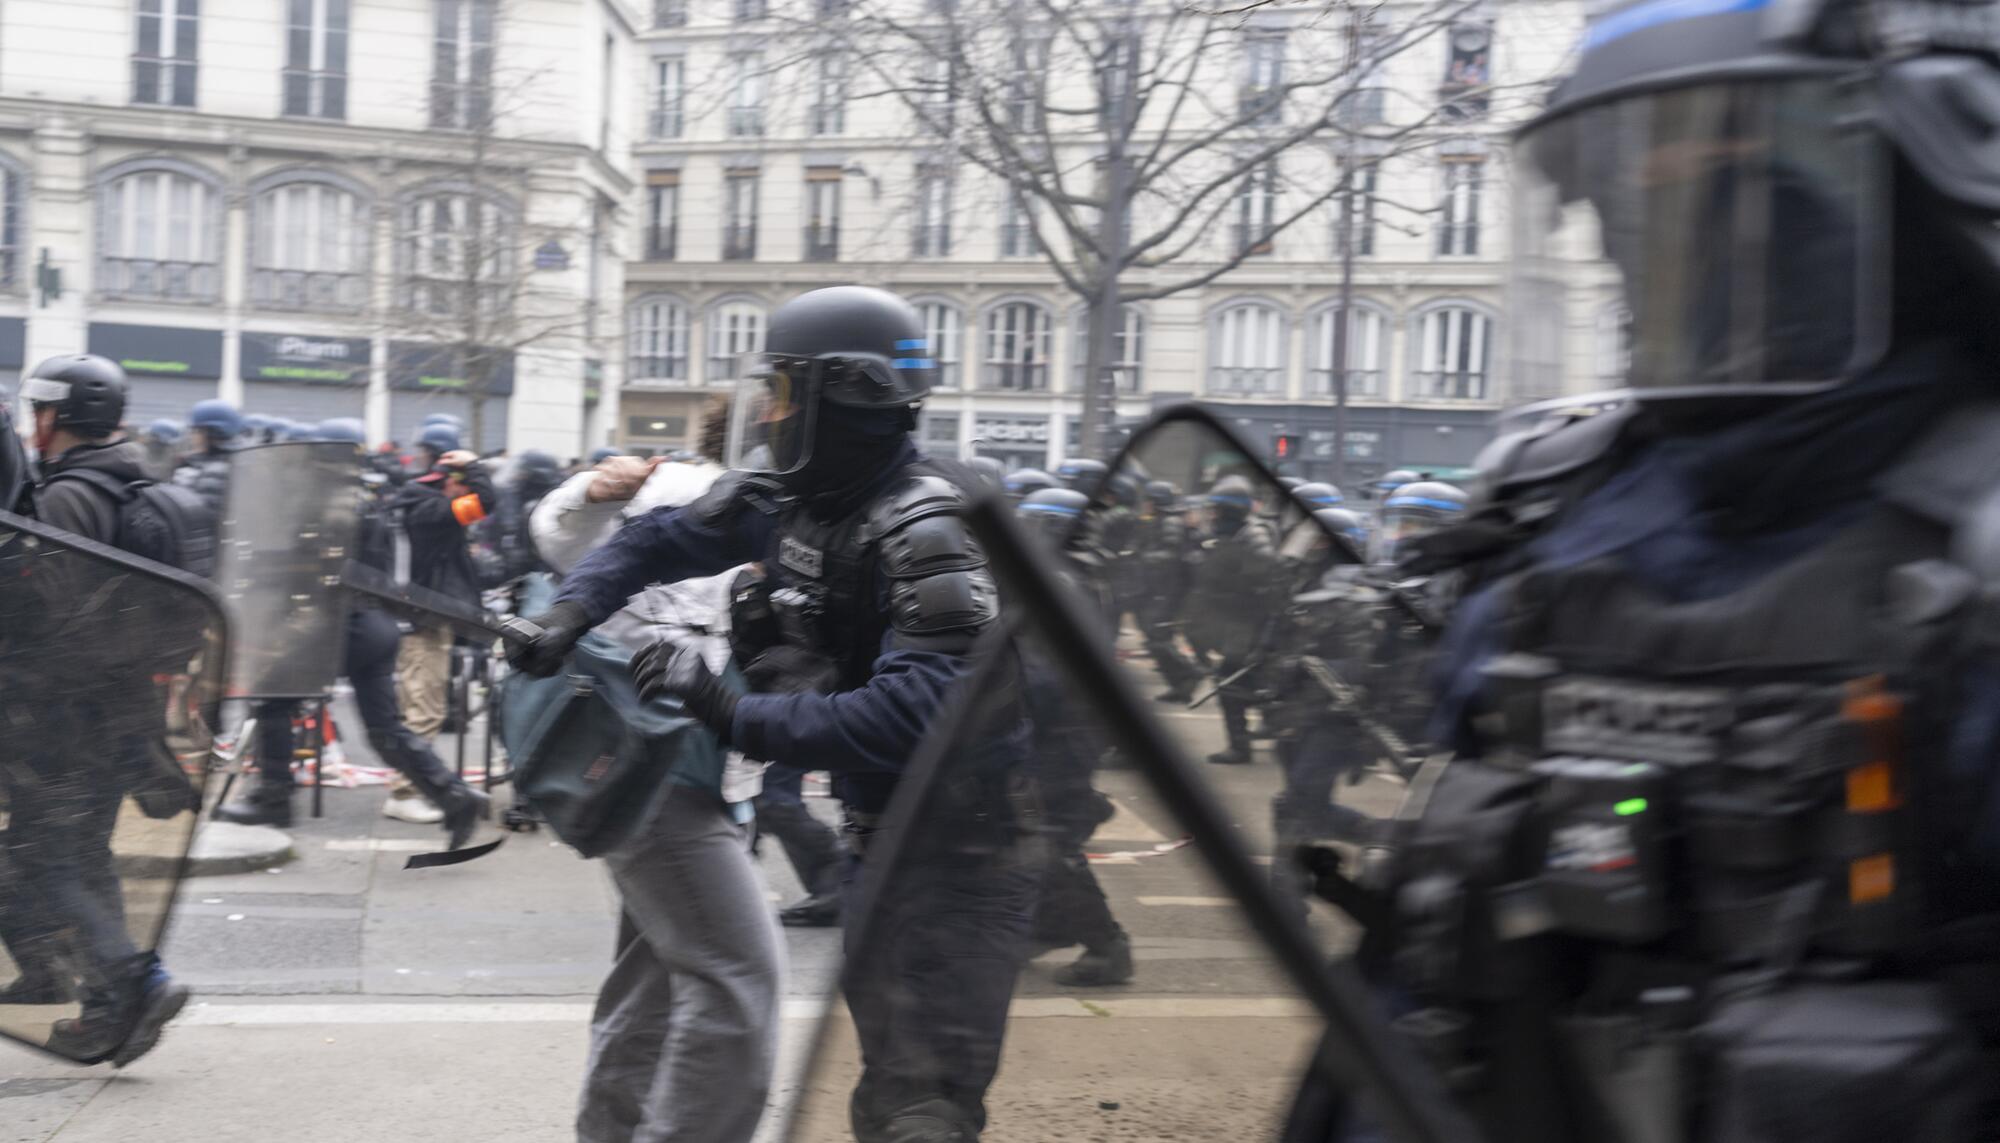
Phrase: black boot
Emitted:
{"points": [[1230, 757], [464, 808], [267, 803], [932, 1121], [818, 911], [1105, 963]]}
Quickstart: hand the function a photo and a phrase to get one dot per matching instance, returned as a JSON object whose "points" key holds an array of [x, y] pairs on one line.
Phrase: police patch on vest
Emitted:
{"points": [[1646, 722], [807, 561]]}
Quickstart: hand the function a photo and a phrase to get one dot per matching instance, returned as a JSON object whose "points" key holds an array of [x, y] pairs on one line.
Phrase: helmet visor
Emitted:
{"points": [[771, 419], [1715, 237]]}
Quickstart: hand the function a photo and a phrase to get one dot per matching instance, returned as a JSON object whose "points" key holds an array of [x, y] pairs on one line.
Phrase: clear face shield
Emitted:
{"points": [[1404, 522], [772, 416], [1743, 227]]}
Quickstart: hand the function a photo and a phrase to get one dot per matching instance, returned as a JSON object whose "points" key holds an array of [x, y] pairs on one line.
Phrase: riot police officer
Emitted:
{"points": [[1239, 576], [990, 470], [217, 429], [1022, 482], [1414, 510], [1721, 681], [1167, 550], [1082, 474], [877, 579]]}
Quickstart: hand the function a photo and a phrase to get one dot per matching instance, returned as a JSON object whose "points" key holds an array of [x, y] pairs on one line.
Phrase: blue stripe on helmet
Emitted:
{"points": [[914, 363], [1052, 509], [913, 343], [1422, 502], [1324, 501], [1637, 19], [1238, 501]]}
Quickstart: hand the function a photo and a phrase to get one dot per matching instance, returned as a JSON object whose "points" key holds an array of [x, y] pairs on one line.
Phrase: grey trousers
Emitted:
{"points": [[685, 1033]]}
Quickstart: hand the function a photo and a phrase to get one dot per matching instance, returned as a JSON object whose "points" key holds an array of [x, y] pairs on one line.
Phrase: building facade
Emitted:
{"points": [[371, 208], [761, 179]]}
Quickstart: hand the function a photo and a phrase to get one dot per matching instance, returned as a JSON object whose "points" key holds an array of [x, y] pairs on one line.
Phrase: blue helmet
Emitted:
{"points": [[1052, 511], [1344, 522], [216, 417], [349, 429], [300, 431], [438, 437], [1023, 482], [602, 453], [1317, 493], [1417, 509], [166, 430], [451, 419]]}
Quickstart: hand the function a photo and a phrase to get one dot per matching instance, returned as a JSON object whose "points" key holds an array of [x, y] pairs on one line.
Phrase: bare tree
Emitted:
{"points": [[1130, 131]]}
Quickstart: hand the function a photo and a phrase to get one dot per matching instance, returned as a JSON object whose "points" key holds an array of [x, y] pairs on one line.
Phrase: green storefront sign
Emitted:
{"points": [[306, 359], [443, 368], [159, 351]]}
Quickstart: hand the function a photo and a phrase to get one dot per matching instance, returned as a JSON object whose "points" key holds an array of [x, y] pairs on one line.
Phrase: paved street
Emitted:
{"points": [[342, 998]]}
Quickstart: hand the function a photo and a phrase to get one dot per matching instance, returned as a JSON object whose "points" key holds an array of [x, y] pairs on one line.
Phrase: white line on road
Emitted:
{"points": [[485, 1011]]}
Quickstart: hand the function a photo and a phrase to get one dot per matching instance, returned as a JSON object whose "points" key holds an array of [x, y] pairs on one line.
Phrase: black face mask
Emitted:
{"points": [[849, 448]]}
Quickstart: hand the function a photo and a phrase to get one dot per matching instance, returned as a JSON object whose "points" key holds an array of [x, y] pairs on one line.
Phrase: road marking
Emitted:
{"points": [[380, 845], [1195, 902], [485, 1011]]}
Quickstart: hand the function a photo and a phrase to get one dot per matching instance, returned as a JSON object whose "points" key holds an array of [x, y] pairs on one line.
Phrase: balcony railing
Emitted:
{"points": [[1461, 102], [1450, 385], [822, 242], [660, 243], [308, 290], [1363, 107], [739, 243], [1125, 378], [1263, 106], [1017, 240], [450, 297], [1247, 381], [746, 121], [1364, 383], [663, 370], [154, 279], [1251, 240], [315, 94], [931, 240], [666, 121], [829, 118], [1020, 376]]}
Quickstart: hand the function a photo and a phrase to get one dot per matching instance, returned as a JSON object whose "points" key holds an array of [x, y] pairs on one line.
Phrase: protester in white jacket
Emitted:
{"points": [[685, 1030]]}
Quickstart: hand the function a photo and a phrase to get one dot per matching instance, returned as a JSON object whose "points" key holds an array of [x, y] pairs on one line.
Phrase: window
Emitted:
{"points": [[462, 64], [1115, 68], [1614, 345], [746, 95], [663, 214], [309, 248], [739, 215], [933, 234], [316, 59], [735, 330], [1017, 229], [940, 431], [1364, 353], [1248, 343], [1262, 98], [161, 238], [1458, 224], [748, 10], [1354, 213], [657, 341], [829, 110], [822, 242], [1366, 104], [1452, 347], [1256, 211], [1027, 83], [455, 254], [942, 327], [1468, 70], [607, 76], [1128, 348], [1017, 347], [668, 116], [13, 222], [938, 89], [670, 13], [163, 65]]}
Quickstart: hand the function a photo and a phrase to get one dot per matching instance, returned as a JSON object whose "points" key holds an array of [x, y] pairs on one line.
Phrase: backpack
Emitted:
{"points": [[165, 523]]}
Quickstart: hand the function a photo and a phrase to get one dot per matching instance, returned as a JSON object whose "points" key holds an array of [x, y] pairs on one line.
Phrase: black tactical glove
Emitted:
{"points": [[561, 626], [666, 668]]}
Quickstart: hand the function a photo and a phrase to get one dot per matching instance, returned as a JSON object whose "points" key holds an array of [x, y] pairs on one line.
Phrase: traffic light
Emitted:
{"points": [[1285, 446]]}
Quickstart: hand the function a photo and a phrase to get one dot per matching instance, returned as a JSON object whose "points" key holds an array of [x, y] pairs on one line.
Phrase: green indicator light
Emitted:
{"points": [[1629, 806]]}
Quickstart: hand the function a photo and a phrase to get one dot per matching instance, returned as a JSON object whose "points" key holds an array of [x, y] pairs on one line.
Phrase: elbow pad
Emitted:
{"points": [[941, 595]]}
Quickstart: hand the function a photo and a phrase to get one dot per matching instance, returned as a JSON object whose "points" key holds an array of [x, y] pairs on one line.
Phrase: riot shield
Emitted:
{"points": [[111, 670], [1060, 929], [289, 525]]}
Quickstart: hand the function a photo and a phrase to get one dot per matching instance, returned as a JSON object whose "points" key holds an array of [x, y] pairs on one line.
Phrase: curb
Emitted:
{"points": [[219, 848]]}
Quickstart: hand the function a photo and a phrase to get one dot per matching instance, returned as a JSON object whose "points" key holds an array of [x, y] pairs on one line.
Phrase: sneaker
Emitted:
{"points": [[165, 997], [411, 808]]}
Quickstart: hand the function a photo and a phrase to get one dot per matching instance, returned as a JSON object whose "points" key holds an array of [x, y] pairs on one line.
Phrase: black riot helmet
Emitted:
{"points": [[536, 473], [991, 471], [1083, 475], [1230, 502], [1163, 495], [1052, 512], [1024, 482], [87, 391], [842, 372], [1778, 187]]}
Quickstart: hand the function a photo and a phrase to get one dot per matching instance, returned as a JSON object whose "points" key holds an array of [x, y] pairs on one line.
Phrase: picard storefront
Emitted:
{"points": [[170, 369], [305, 377]]}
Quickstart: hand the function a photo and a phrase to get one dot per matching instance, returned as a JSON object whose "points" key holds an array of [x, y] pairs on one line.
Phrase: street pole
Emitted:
{"points": [[1343, 317], [1107, 312]]}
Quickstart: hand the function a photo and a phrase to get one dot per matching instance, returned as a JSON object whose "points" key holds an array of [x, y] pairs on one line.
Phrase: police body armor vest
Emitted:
{"points": [[1683, 811]]}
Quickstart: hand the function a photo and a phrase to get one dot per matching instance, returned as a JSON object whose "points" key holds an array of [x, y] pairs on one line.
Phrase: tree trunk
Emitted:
{"points": [[1342, 320]]}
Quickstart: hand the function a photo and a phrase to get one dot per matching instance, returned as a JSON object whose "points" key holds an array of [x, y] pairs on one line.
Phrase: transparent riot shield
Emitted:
{"points": [[1063, 928], [111, 669], [288, 528]]}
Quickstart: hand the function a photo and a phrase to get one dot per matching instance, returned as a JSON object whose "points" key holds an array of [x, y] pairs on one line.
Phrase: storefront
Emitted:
{"points": [[305, 377], [652, 423], [170, 369], [1378, 438], [473, 385], [1017, 441]]}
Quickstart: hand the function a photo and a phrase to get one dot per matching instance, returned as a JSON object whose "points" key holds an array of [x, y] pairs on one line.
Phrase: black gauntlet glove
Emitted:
{"points": [[679, 670], [561, 626]]}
